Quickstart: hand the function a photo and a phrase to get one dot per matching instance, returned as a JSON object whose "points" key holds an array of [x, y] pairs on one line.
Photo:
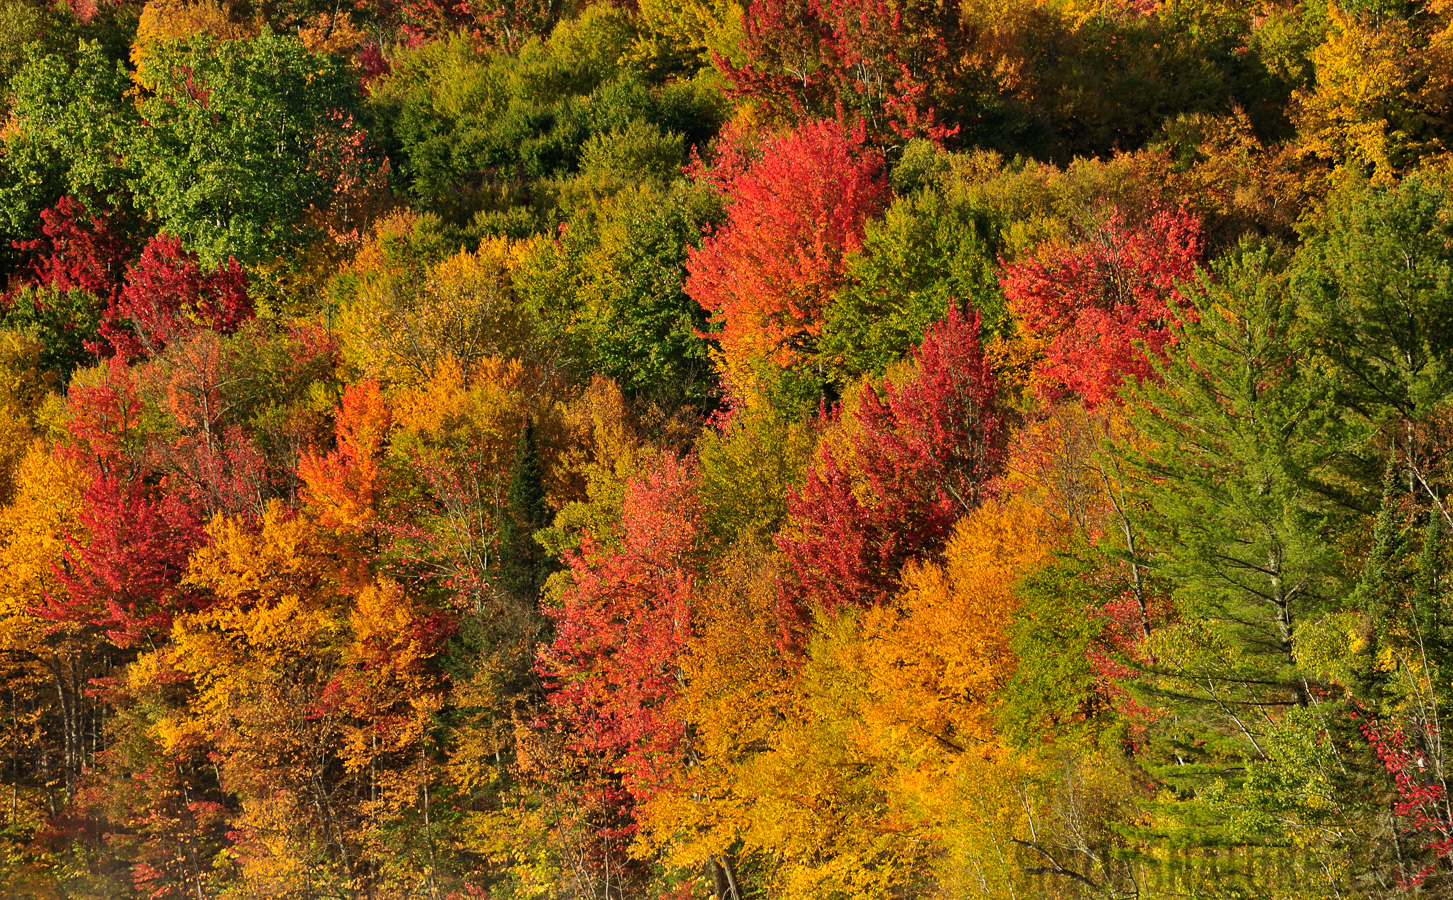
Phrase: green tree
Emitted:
{"points": [[609, 291], [71, 119], [926, 253], [1239, 430], [230, 159], [1375, 280], [488, 137], [524, 565], [1054, 694]]}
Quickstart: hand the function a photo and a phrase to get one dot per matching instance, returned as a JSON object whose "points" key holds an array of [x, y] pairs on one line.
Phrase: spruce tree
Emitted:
{"points": [[524, 565]]}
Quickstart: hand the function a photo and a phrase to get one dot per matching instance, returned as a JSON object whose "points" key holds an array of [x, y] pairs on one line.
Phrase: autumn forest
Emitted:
{"points": [[721, 450]]}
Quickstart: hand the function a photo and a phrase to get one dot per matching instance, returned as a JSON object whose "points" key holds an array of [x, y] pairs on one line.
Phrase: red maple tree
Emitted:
{"points": [[795, 215], [1103, 302], [923, 453], [76, 251], [620, 630], [167, 295], [122, 571]]}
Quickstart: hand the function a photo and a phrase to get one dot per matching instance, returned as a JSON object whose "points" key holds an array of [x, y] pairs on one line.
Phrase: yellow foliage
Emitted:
{"points": [[405, 318], [277, 857], [889, 759], [698, 28], [387, 646], [1363, 108], [33, 533], [287, 554], [177, 20], [467, 419], [819, 801], [23, 386], [747, 470], [488, 400], [332, 33], [34, 528], [1061, 461], [314, 690], [872, 768], [936, 658], [735, 686]]}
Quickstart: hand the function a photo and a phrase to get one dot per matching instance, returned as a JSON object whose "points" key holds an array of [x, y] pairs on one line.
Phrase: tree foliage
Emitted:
{"points": [[789, 448], [796, 214]]}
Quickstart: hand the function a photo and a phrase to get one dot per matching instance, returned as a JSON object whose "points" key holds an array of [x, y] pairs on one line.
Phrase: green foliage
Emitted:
{"points": [[73, 117], [36, 28], [640, 152], [1240, 429], [1055, 694], [227, 159], [608, 291], [63, 321], [925, 254], [479, 133], [524, 565], [1375, 280]]}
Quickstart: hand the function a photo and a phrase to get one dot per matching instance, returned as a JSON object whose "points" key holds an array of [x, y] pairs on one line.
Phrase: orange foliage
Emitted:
{"points": [[346, 485], [937, 657]]}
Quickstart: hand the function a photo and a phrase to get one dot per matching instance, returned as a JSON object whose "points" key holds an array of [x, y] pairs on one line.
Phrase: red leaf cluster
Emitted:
{"points": [[1421, 797], [1102, 303], [795, 216], [621, 628], [167, 295], [923, 453], [76, 251], [125, 577], [141, 515]]}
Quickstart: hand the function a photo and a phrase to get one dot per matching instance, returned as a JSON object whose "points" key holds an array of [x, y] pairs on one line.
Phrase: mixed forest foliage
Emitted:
{"points": [[792, 449]]}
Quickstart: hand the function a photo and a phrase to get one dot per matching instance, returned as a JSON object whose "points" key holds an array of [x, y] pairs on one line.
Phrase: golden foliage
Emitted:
{"points": [[177, 20], [407, 316], [1364, 110], [34, 532], [936, 658], [332, 33], [23, 387], [34, 529], [735, 687], [311, 686]]}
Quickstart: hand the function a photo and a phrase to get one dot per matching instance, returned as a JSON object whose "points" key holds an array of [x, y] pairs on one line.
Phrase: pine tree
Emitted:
{"points": [[1374, 279], [524, 565], [1239, 432]]}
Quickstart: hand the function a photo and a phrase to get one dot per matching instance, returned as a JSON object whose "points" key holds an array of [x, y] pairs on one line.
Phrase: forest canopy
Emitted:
{"points": [[685, 449]]}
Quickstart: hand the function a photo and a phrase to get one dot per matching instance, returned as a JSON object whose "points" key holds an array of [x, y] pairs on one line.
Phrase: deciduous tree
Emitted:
{"points": [[920, 453], [1105, 304], [793, 219]]}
